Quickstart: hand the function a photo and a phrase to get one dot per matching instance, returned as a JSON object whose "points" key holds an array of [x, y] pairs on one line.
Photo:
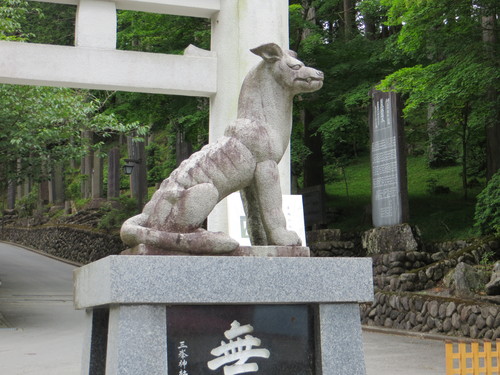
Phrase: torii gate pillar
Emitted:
{"points": [[239, 26]]}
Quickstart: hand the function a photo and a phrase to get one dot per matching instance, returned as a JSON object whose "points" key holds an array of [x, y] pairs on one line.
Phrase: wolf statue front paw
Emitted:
{"points": [[283, 237]]}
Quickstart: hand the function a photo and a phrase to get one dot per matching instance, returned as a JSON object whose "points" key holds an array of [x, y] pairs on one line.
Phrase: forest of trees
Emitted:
{"points": [[442, 56]]}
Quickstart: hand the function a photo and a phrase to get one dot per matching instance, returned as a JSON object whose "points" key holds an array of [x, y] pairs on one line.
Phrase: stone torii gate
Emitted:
{"points": [[94, 62]]}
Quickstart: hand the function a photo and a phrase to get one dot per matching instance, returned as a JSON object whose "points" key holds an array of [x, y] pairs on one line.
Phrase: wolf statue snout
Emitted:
{"points": [[246, 159]]}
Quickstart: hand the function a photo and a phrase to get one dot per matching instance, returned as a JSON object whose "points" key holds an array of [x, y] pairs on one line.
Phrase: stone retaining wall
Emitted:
{"points": [[334, 243], [75, 244], [430, 275], [419, 313]]}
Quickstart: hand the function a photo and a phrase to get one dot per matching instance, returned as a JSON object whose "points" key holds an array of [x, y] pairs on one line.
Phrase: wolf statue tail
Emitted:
{"points": [[143, 240]]}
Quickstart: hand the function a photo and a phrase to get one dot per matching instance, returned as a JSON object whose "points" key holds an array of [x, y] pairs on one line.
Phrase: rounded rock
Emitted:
{"points": [[488, 335], [455, 321], [472, 319], [412, 318], [447, 325], [442, 310], [490, 321], [419, 303], [405, 303], [480, 322], [485, 311], [439, 324], [450, 309], [497, 321], [465, 329], [433, 308], [473, 332], [496, 334], [464, 315]]}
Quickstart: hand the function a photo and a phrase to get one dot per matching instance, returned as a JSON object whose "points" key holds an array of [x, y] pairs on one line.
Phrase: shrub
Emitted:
{"points": [[27, 204], [487, 216], [117, 212], [434, 188]]}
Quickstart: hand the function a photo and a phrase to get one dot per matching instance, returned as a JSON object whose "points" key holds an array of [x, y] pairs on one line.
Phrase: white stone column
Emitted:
{"points": [[239, 26], [96, 24]]}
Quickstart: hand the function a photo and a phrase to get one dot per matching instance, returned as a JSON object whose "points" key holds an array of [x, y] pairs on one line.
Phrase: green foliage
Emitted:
{"points": [[298, 150], [440, 217], [41, 126], [73, 181], [13, 14], [117, 211], [353, 62], [487, 216], [140, 31], [488, 258], [434, 188], [50, 23], [450, 66], [27, 204]]}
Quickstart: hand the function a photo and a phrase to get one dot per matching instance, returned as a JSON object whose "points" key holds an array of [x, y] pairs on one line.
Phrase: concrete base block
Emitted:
{"points": [[128, 298]]}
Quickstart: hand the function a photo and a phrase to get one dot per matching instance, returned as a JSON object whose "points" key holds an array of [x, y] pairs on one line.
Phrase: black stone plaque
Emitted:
{"points": [[278, 339], [388, 160]]}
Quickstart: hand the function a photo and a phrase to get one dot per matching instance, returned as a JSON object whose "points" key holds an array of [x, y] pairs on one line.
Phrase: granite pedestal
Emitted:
{"points": [[127, 299]]}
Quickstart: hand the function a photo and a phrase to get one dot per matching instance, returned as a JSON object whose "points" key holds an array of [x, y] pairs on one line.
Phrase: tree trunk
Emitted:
{"points": [[313, 165], [86, 166], [370, 30], [493, 125], [97, 172], [11, 195], [183, 148], [114, 173], [138, 178], [57, 182], [20, 192], [465, 119], [349, 18]]}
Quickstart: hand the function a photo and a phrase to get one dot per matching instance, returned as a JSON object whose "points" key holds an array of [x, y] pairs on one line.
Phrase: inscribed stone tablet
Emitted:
{"points": [[202, 340], [388, 161]]}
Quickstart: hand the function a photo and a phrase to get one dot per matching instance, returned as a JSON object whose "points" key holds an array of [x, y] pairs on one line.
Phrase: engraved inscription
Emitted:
{"points": [[386, 198]]}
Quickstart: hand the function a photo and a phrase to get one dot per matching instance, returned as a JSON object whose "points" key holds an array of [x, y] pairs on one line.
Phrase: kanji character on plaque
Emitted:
{"points": [[237, 351]]}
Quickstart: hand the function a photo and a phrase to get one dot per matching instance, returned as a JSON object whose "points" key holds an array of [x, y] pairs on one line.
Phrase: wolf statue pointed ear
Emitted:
{"points": [[270, 52]]}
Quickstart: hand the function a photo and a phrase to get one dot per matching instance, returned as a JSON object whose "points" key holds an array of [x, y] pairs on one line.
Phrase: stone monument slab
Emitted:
{"points": [[388, 160]]}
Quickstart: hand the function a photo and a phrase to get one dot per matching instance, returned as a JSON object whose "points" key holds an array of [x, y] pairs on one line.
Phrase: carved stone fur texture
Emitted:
{"points": [[245, 159]]}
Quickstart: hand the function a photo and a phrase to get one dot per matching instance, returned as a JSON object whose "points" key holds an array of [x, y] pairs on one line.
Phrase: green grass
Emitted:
{"points": [[439, 216]]}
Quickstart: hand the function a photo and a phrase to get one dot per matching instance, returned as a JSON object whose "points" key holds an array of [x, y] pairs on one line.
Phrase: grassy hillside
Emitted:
{"points": [[439, 216]]}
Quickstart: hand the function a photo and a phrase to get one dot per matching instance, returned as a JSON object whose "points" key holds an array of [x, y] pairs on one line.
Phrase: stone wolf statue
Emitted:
{"points": [[246, 158]]}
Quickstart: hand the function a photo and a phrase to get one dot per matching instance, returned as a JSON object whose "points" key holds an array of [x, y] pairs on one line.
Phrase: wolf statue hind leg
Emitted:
{"points": [[197, 202], [269, 200]]}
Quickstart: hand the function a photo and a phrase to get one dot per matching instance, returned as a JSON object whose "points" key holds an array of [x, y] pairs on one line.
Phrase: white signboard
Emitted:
{"points": [[292, 208]]}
